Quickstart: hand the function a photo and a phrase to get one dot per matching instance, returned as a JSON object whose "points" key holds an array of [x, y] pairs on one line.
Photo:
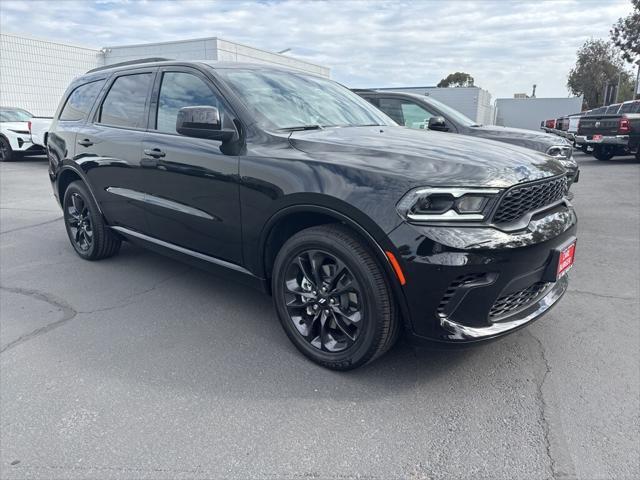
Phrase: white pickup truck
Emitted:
{"points": [[39, 129]]}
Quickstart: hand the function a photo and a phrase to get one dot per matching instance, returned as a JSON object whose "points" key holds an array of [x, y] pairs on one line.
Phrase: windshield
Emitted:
{"points": [[14, 115], [290, 100], [457, 116]]}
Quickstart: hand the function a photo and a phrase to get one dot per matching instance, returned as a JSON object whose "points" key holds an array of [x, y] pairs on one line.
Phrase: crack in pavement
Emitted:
{"points": [[26, 227], [123, 303], [556, 472], [69, 312], [600, 295]]}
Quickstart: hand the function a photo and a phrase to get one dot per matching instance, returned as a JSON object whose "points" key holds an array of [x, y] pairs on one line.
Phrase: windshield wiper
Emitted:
{"points": [[300, 128]]}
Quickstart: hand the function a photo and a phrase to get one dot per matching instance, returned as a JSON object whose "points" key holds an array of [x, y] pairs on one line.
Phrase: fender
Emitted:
{"points": [[379, 246], [72, 167]]}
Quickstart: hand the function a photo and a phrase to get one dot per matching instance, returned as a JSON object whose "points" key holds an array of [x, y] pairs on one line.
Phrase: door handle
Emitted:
{"points": [[154, 152], [85, 143], [148, 162]]}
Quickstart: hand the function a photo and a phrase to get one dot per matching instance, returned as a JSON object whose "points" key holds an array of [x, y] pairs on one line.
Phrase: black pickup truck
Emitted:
{"points": [[612, 134]]}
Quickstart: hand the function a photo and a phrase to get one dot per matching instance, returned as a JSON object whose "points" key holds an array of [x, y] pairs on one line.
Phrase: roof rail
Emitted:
{"points": [[364, 90], [130, 62]]}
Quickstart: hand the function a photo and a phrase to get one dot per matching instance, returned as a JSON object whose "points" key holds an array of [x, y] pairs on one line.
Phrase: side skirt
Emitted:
{"points": [[196, 259]]}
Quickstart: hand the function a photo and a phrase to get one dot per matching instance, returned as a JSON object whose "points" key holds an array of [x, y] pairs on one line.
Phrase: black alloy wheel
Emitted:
{"points": [[333, 298], [6, 153], [79, 223], [89, 235], [323, 300]]}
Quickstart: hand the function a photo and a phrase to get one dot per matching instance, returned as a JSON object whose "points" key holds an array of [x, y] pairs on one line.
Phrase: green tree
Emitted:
{"points": [[458, 79], [598, 64], [625, 34]]}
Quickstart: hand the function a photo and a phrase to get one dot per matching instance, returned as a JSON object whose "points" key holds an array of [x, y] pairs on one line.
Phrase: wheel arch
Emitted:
{"points": [[295, 218], [68, 175]]}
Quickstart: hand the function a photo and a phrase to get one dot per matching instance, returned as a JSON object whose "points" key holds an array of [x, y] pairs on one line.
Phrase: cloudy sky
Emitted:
{"points": [[506, 45]]}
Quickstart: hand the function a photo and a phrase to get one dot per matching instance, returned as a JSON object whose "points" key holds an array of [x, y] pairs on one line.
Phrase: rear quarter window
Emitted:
{"points": [[80, 101]]}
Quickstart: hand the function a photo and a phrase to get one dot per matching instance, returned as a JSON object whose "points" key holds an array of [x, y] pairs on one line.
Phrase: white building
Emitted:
{"points": [[35, 73], [474, 102], [529, 112]]}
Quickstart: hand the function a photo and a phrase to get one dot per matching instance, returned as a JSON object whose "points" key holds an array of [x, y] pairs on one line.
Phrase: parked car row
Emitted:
{"points": [[358, 227], [421, 112], [606, 131], [21, 133]]}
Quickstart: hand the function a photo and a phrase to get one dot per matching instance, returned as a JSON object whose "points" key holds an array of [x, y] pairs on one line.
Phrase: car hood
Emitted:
{"points": [[15, 126], [427, 158], [539, 141]]}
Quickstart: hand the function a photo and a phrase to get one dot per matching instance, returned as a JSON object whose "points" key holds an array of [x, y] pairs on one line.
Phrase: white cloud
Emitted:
{"points": [[507, 46]]}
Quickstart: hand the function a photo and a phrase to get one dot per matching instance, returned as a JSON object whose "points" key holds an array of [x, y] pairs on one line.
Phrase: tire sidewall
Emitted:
{"points": [[365, 345], [79, 188], [10, 155]]}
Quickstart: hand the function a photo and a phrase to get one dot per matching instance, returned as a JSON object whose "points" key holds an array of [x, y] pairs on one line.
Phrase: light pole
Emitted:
{"points": [[637, 90]]}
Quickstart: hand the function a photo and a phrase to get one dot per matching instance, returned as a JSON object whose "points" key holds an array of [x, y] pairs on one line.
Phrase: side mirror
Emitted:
{"points": [[438, 124], [202, 122]]}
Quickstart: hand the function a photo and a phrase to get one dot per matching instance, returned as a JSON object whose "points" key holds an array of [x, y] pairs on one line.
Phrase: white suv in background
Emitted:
{"points": [[15, 136]]}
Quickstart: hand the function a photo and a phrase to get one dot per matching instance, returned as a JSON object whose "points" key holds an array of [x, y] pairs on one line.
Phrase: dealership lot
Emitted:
{"points": [[142, 367]]}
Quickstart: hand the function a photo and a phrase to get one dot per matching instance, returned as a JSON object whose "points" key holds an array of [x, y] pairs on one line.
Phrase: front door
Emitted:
{"points": [[193, 194]]}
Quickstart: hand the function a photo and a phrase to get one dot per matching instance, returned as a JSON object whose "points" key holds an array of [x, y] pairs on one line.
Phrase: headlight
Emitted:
{"points": [[447, 204], [561, 152]]}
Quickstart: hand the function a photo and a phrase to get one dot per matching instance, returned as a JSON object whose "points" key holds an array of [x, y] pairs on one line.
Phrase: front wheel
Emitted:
{"points": [[6, 152], [333, 299]]}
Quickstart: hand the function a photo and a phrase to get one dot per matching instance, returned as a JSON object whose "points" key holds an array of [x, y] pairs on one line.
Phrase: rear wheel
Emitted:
{"points": [[6, 152], [89, 235], [604, 152], [333, 299]]}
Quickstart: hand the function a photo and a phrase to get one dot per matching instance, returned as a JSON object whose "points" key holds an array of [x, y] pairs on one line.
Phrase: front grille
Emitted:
{"points": [[516, 300], [520, 200], [453, 288]]}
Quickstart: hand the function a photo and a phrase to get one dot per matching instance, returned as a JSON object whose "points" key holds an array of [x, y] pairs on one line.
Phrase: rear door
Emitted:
{"points": [[72, 116], [109, 148], [192, 192]]}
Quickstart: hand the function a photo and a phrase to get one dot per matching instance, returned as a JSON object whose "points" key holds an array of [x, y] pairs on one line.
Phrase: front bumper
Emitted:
{"points": [[468, 284], [622, 140]]}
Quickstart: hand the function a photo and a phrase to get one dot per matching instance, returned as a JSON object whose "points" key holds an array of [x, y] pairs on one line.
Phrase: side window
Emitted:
{"points": [[80, 101], [124, 105], [406, 113], [393, 108], [415, 116], [178, 90]]}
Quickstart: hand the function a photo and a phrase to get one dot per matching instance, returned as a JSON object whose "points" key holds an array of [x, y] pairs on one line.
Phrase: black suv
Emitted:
{"points": [[421, 112], [358, 227]]}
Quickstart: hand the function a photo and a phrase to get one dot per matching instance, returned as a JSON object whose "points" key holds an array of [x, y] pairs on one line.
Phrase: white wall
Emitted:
{"points": [[35, 73], [209, 49], [529, 112]]}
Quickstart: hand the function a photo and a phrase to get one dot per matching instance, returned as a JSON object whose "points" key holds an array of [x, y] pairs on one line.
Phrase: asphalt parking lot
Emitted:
{"points": [[142, 367]]}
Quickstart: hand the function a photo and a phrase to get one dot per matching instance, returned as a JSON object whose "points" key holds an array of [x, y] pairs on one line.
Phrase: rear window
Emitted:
{"points": [[125, 104], [631, 107], [80, 101]]}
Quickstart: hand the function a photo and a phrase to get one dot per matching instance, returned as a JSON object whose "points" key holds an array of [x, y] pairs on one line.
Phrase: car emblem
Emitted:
{"points": [[597, 124], [522, 171]]}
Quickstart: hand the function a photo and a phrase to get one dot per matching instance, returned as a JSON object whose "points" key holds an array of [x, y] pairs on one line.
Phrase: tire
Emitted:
{"points": [[604, 153], [6, 152], [355, 320], [638, 154], [92, 240]]}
